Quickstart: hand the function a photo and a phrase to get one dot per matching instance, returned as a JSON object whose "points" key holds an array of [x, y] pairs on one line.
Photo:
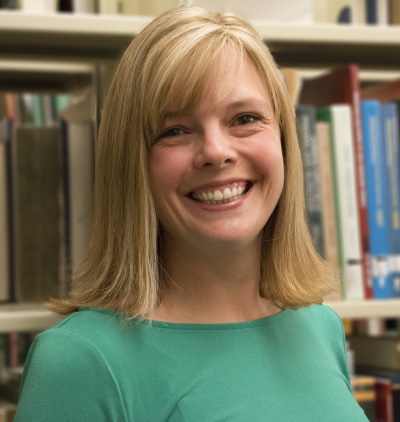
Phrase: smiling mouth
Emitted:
{"points": [[223, 195]]}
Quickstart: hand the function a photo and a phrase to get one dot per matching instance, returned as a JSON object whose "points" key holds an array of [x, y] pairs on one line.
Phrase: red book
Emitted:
{"points": [[384, 400], [384, 93], [341, 86]]}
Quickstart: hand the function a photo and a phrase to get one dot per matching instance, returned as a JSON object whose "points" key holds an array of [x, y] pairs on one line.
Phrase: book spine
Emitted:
{"points": [[305, 121], [360, 183], [376, 197], [327, 201], [392, 180]]}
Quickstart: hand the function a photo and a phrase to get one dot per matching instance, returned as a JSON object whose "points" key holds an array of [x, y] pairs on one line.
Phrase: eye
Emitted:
{"points": [[171, 132], [246, 119]]}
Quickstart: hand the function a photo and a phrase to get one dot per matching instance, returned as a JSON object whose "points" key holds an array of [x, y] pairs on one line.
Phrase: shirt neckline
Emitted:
{"points": [[192, 326]]}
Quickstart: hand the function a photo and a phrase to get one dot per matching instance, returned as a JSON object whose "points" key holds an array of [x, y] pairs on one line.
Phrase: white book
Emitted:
{"points": [[347, 219], [80, 175]]}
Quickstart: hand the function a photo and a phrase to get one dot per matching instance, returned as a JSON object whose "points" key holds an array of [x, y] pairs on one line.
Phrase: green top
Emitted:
{"points": [[287, 367]]}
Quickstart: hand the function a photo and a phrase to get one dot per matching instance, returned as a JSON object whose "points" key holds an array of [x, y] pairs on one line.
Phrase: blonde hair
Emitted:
{"points": [[165, 67]]}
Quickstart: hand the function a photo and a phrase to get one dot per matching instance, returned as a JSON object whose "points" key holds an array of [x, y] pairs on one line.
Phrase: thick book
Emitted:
{"points": [[78, 139], [341, 86], [305, 124], [37, 212], [390, 128], [388, 391], [375, 171], [348, 229], [327, 201]]}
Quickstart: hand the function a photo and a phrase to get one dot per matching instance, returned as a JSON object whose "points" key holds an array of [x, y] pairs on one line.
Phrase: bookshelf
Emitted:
{"points": [[93, 38], [65, 48], [34, 317]]}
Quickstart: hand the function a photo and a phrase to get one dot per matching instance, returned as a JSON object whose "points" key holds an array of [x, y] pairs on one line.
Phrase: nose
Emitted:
{"points": [[215, 149]]}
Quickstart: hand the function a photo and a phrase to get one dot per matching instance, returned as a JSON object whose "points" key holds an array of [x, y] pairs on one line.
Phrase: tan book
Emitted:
{"points": [[327, 201]]}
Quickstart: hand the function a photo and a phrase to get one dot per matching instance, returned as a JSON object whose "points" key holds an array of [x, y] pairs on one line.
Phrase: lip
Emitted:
{"points": [[218, 183]]}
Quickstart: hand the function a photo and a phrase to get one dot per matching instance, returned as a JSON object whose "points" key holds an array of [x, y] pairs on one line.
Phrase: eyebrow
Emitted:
{"points": [[242, 103]]}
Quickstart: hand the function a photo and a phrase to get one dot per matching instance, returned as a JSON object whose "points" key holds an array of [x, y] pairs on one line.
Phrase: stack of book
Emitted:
{"points": [[349, 142], [46, 190]]}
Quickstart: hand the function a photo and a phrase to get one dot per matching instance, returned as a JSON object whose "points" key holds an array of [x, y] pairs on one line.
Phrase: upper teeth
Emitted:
{"points": [[218, 195]]}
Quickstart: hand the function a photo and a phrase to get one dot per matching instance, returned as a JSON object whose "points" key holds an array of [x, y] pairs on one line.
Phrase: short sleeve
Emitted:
{"points": [[66, 379]]}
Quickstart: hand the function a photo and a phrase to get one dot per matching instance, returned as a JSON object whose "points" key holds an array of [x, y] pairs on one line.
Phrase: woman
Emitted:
{"points": [[199, 296]]}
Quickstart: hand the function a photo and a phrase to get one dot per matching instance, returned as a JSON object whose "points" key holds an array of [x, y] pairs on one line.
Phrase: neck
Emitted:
{"points": [[216, 286]]}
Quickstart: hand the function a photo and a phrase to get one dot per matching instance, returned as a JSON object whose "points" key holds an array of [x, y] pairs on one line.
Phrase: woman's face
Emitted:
{"points": [[217, 172]]}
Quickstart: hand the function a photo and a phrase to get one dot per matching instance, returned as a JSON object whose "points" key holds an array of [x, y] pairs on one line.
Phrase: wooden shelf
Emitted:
{"points": [[26, 317], [86, 38], [354, 309], [22, 76]]}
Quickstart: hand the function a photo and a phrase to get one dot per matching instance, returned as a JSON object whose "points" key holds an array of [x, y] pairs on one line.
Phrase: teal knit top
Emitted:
{"points": [[287, 367]]}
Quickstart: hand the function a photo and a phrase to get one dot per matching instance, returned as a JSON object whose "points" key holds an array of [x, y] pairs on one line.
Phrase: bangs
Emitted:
{"points": [[184, 77]]}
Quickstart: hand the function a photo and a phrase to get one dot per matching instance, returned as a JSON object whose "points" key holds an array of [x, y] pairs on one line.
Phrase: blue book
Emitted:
{"points": [[376, 190], [392, 181], [371, 11]]}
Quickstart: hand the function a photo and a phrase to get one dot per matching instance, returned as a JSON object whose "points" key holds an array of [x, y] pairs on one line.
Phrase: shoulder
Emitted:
{"points": [[320, 315], [67, 373]]}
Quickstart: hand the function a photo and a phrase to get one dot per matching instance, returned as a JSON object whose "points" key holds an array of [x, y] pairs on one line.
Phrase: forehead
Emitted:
{"points": [[234, 80], [231, 78]]}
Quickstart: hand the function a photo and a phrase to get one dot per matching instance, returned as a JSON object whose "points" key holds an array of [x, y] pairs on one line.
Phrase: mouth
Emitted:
{"points": [[221, 194]]}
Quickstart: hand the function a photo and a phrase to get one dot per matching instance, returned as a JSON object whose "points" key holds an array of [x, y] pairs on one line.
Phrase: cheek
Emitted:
{"points": [[268, 157], [166, 171]]}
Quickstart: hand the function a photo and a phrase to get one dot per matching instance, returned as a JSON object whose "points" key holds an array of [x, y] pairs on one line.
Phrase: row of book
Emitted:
{"points": [[46, 192], [350, 152], [378, 393], [384, 12]]}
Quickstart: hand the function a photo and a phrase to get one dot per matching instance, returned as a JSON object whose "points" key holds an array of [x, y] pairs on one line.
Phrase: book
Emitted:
{"points": [[390, 127], [342, 11], [364, 390], [347, 224], [5, 253], [305, 124], [37, 212], [394, 12], [327, 201], [341, 86], [386, 92], [388, 391], [374, 155], [377, 12], [78, 145]]}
